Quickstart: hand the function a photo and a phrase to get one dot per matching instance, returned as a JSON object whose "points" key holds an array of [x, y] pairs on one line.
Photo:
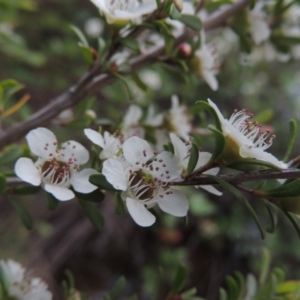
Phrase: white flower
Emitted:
{"points": [[131, 122], [178, 119], [56, 168], [19, 286], [94, 27], [110, 144], [259, 27], [153, 119], [206, 64], [143, 178], [120, 12], [244, 138], [182, 152]]}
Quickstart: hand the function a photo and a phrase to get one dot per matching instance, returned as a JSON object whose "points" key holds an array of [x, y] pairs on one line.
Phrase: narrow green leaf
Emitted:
{"points": [[117, 289], [2, 183], [265, 266], [230, 188], [191, 21], [272, 216], [232, 288], [240, 284], [137, 80], [179, 280], [267, 291], [119, 204], [193, 158], [87, 53], [80, 35], [130, 43], [51, 201], [288, 287], [292, 139], [95, 196], [243, 164], [92, 213], [23, 213], [205, 105], [100, 181], [291, 189], [10, 155], [125, 82], [294, 223], [70, 278], [219, 142], [25, 190], [223, 294]]}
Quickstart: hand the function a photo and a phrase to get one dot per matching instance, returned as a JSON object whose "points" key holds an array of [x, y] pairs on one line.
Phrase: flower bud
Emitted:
{"points": [[178, 4], [185, 49], [91, 114]]}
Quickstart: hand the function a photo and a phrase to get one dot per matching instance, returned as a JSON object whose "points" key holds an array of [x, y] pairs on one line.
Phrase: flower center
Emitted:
{"points": [[56, 172], [141, 185]]}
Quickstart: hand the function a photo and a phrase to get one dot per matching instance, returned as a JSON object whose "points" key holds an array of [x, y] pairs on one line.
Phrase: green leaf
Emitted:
{"points": [[93, 213], [205, 105], [272, 216], [137, 80], [251, 164], [10, 155], [25, 190], [51, 201], [219, 142], [232, 288], [265, 266], [267, 290], [291, 189], [94, 196], [230, 188], [119, 204], [130, 43], [80, 35], [288, 287], [126, 84], [193, 158], [2, 183], [87, 53], [70, 279], [223, 295], [191, 21], [240, 283], [292, 139], [100, 181], [294, 223], [117, 289], [23, 213], [179, 280]]}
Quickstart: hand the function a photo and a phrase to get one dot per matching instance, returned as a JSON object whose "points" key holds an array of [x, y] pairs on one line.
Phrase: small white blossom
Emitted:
{"points": [[20, 286], [153, 119], [259, 27], [131, 122], [110, 144], [143, 177], [178, 119], [246, 137], [120, 12], [182, 152], [206, 64], [94, 27], [56, 168]]}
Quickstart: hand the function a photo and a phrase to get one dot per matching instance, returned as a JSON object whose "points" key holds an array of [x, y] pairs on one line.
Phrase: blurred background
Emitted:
{"points": [[39, 50]]}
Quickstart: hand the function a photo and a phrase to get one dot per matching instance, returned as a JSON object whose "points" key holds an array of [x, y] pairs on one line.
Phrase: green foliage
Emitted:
{"points": [[193, 158]]}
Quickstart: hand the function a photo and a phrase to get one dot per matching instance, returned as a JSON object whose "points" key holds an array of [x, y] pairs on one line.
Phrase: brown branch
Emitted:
{"points": [[88, 83]]}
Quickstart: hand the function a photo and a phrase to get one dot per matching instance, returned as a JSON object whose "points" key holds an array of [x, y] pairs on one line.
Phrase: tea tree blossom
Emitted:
{"points": [[143, 178], [244, 138], [120, 12], [182, 152], [57, 168], [131, 122], [19, 285], [110, 144]]}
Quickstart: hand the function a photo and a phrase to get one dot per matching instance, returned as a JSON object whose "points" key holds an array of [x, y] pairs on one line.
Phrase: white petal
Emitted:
{"points": [[137, 150], [41, 142], [203, 159], [166, 166], [140, 214], [27, 171], [175, 203], [113, 170], [180, 149], [265, 156], [209, 189], [80, 181], [94, 136], [213, 171], [211, 80], [74, 151], [60, 193]]}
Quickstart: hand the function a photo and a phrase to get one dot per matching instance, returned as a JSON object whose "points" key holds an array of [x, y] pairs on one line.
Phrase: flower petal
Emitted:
{"points": [[113, 170], [210, 189], [140, 214], [180, 149], [60, 193], [175, 203], [203, 159], [74, 152], [214, 106], [80, 181], [137, 151], [27, 171], [41, 142], [94, 136]]}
